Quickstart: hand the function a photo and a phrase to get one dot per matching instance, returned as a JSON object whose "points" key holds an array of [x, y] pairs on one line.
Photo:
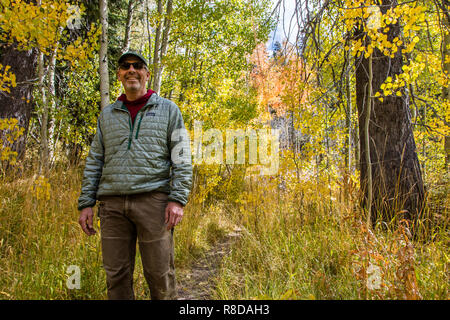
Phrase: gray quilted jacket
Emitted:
{"points": [[149, 155]]}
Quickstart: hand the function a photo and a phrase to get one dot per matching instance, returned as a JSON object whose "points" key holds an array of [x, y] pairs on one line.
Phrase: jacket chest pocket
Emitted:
{"points": [[117, 138], [153, 125]]}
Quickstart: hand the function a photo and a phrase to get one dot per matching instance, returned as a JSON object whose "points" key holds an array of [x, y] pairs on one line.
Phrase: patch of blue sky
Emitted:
{"points": [[286, 27]]}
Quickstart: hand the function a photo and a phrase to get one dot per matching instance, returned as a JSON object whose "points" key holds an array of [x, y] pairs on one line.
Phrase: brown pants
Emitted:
{"points": [[123, 219]]}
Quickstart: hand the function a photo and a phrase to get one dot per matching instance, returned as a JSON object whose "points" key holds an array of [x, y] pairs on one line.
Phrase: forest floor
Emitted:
{"points": [[198, 282]]}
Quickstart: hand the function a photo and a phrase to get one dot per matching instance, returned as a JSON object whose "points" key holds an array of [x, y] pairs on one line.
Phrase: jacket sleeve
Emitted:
{"points": [[180, 156], [92, 171]]}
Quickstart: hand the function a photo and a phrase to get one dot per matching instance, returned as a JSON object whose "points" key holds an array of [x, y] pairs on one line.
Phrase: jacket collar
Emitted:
{"points": [[153, 100]]}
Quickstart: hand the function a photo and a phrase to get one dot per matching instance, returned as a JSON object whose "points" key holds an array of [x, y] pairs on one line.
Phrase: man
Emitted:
{"points": [[139, 168]]}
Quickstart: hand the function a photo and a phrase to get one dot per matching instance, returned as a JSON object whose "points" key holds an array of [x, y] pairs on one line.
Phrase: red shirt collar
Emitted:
{"points": [[141, 100]]}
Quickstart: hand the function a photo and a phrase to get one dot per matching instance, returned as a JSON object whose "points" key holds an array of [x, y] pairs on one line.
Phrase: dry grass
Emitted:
{"points": [[40, 237], [296, 243]]}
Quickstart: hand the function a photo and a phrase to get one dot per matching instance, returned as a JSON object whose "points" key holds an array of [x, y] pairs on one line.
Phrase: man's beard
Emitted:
{"points": [[133, 86]]}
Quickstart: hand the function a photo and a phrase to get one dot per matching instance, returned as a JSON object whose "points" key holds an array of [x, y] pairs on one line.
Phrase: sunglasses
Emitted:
{"points": [[136, 65]]}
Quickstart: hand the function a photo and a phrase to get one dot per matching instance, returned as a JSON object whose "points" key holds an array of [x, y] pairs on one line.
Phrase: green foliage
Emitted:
{"points": [[208, 60], [302, 237]]}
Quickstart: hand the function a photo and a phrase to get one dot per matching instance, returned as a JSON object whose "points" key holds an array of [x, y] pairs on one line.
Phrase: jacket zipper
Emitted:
{"points": [[130, 137], [131, 125], [139, 125]]}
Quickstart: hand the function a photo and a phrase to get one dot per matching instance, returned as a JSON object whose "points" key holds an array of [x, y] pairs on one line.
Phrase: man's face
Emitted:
{"points": [[133, 79]]}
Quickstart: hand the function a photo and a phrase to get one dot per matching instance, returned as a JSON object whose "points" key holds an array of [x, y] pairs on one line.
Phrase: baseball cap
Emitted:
{"points": [[134, 54]]}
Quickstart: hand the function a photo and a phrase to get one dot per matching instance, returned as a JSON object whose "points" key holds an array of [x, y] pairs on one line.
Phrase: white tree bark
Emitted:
{"points": [[161, 52], [367, 145], [103, 63], [43, 150], [157, 47], [48, 105], [149, 33], [348, 119], [126, 41], [51, 102]]}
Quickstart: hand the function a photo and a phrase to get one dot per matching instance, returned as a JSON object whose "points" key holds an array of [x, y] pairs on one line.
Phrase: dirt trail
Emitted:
{"points": [[198, 282]]}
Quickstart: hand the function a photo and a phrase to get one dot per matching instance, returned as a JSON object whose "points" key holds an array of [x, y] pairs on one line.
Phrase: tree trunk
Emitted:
{"points": [[48, 105], [367, 153], [164, 43], [157, 45], [126, 40], [52, 102], [18, 103], [348, 124], [397, 181], [103, 68], [348, 120], [43, 148], [149, 33], [355, 135], [446, 65]]}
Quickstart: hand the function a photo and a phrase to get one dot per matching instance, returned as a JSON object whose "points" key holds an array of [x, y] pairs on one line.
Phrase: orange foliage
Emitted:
{"points": [[281, 81]]}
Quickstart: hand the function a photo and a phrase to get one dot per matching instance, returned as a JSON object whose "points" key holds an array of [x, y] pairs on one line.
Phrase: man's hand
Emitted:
{"points": [[174, 214], [85, 221]]}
